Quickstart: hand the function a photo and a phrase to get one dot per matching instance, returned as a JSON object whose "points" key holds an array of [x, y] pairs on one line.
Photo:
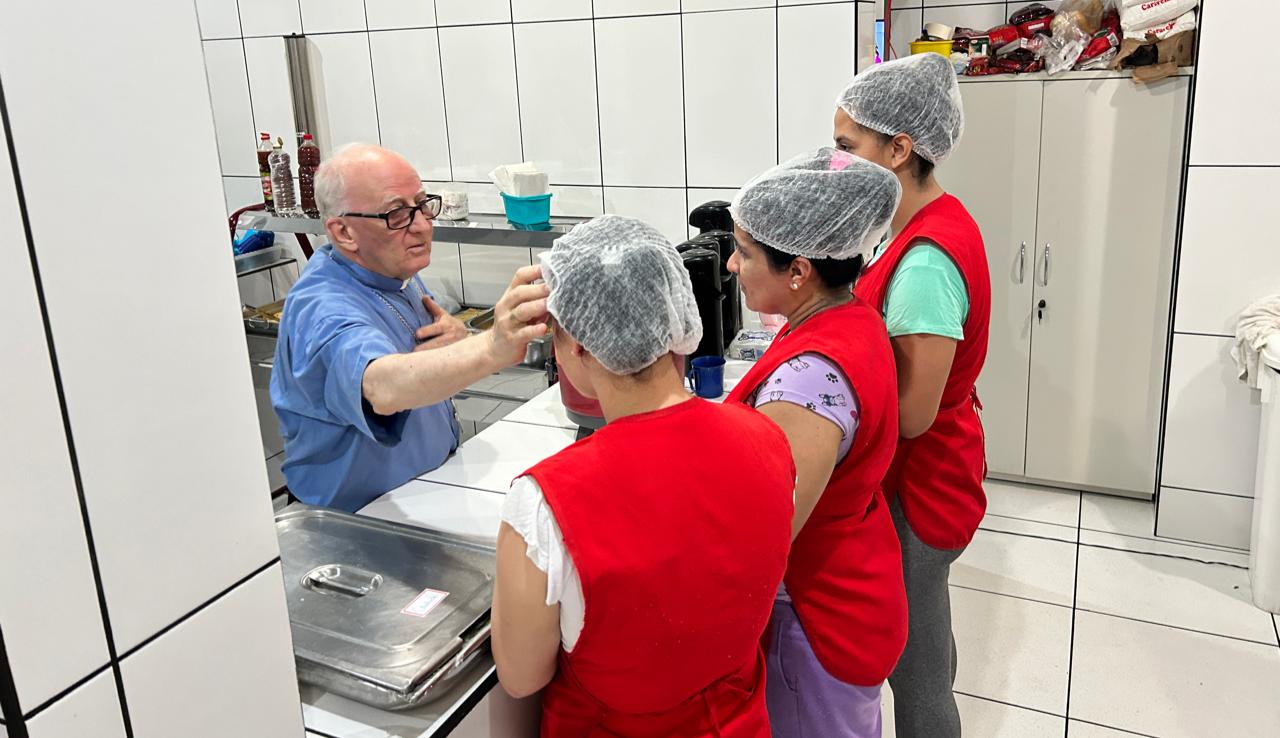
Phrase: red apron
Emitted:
{"points": [[937, 477], [678, 522], [845, 570]]}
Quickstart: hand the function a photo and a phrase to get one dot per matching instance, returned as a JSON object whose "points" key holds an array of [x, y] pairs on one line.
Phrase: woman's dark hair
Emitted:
{"points": [[921, 167], [834, 273]]}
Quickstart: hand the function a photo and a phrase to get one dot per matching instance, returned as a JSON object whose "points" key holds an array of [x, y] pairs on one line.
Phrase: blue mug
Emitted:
{"points": [[707, 376]]}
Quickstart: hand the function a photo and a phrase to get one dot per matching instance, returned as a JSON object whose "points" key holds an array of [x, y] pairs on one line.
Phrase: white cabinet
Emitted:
{"points": [[995, 172], [1075, 371]]}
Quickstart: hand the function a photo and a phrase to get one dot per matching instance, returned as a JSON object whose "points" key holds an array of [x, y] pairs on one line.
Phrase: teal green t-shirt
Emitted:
{"points": [[926, 294]]}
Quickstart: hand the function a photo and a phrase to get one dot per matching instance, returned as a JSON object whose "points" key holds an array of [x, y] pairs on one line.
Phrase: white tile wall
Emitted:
{"points": [[160, 411], [1203, 517], [731, 96], [641, 101], [815, 62], [342, 79], [582, 202], [172, 427], [1227, 260], [411, 116], [241, 191], [980, 16], [195, 675], [270, 93], [487, 271], [543, 10], [52, 623], [1235, 113], [93, 709], [1211, 440], [480, 85], [664, 208], [1229, 255], [218, 18], [444, 274], [557, 76], [271, 18], [331, 16], [224, 65], [905, 28], [466, 12], [385, 14]]}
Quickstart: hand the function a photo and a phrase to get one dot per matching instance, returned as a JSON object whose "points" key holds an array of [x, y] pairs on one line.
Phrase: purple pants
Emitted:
{"points": [[804, 700]]}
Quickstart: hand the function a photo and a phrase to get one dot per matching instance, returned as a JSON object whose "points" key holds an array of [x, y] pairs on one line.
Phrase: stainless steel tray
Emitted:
{"points": [[383, 613]]}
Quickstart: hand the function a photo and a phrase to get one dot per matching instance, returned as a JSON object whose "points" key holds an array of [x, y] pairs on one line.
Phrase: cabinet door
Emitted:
{"points": [[994, 172], [1110, 167]]}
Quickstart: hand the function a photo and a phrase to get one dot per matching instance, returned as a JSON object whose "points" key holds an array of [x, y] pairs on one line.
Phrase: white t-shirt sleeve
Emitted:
{"points": [[527, 512]]}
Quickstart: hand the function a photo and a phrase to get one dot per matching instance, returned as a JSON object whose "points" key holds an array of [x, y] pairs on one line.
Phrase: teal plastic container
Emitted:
{"points": [[530, 211]]}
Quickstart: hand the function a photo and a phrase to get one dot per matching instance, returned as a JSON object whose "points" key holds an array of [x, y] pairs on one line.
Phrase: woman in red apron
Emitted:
{"points": [[839, 623], [932, 285], [637, 568]]}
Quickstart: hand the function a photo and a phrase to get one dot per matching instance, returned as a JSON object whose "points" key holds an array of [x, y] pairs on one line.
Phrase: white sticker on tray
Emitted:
{"points": [[424, 603]]}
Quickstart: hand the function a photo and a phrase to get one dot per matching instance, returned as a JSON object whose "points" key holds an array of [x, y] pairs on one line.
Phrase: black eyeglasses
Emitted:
{"points": [[402, 217]]}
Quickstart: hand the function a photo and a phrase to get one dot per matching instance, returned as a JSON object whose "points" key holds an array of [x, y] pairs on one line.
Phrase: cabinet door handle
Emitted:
{"points": [[1044, 275], [1022, 262]]}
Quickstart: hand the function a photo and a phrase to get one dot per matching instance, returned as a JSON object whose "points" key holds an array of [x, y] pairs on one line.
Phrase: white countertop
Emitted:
{"points": [[464, 496]]}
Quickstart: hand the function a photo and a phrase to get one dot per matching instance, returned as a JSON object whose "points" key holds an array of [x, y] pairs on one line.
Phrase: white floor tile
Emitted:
{"points": [[1118, 515], [1168, 548], [989, 719], [1077, 729], [1019, 526], [1028, 502], [499, 454], [1206, 597], [1015, 565], [1172, 683], [1012, 650]]}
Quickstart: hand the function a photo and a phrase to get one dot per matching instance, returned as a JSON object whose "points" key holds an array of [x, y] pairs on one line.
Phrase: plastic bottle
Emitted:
{"points": [[264, 169], [282, 180], [308, 162]]}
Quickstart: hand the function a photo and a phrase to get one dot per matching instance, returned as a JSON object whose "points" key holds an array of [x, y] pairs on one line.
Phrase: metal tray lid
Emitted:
{"points": [[376, 601]]}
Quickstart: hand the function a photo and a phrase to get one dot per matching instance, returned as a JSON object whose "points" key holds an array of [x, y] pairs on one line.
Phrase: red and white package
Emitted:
{"points": [[1153, 13], [1184, 22]]}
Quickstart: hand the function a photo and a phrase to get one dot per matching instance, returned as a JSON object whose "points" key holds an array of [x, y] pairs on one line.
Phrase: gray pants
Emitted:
{"points": [[923, 704]]}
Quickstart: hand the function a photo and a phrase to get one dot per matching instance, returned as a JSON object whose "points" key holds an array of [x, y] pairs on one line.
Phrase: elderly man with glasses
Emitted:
{"points": [[366, 360]]}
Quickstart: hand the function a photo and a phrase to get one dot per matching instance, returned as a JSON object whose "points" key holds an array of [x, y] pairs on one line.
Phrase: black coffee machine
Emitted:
{"points": [[715, 288]]}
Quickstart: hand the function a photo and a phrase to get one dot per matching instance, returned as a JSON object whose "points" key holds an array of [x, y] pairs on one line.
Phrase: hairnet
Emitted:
{"points": [[917, 95], [620, 289], [822, 205]]}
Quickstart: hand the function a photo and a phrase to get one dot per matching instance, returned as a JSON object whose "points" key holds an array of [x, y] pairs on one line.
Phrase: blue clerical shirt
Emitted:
{"points": [[339, 317]]}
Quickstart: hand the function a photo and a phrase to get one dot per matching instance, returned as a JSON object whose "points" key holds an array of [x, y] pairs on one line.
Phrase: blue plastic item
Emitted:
{"points": [[533, 210], [253, 241], [707, 373]]}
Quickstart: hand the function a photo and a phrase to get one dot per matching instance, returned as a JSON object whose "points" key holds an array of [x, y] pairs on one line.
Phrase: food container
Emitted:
{"points": [[535, 355], [385, 614], [454, 205], [1002, 36], [531, 211], [935, 47]]}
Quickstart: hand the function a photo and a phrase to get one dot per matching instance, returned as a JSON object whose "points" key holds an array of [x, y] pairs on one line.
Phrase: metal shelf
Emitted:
{"points": [[481, 228], [260, 261]]}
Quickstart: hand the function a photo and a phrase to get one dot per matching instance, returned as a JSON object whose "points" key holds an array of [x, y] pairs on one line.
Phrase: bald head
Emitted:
{"points": [[353, 177]]}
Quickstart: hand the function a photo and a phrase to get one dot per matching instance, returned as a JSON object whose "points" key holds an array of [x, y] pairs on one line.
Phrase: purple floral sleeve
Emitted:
{"points": [[813, 382]]}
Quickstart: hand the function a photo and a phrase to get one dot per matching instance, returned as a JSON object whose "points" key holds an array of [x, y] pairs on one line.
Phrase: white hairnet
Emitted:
{"points": [[917, 95], [822, 205], [620, 289]]}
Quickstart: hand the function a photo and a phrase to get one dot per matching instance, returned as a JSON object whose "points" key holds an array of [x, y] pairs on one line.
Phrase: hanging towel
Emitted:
{"points": [[1257, 324]]}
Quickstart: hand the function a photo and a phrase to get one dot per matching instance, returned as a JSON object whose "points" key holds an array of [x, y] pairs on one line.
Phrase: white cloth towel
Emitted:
{"points": [[1257, 324]]}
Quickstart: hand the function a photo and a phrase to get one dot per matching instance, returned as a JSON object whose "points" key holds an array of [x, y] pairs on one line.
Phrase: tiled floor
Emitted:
{"points": [[1072, 619]]}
